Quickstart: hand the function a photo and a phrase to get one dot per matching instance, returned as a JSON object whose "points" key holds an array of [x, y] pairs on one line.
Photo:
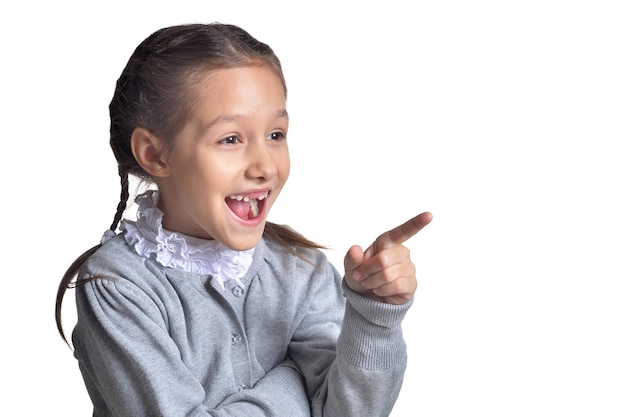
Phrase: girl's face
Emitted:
{"points": [[231, 160]]}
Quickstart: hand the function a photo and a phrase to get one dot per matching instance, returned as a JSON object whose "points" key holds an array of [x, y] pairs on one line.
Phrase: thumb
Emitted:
{"points": [[353, 259]]}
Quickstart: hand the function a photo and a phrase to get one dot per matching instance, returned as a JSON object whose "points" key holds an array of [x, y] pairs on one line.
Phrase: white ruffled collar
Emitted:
{"points": [[179, 251]]}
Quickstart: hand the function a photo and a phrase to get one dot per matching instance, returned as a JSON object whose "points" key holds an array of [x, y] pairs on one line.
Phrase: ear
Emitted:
{"points": [[150, 152]]}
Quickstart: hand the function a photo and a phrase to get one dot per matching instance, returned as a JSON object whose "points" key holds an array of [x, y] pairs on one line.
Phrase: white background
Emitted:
{"points": [[505, 119]]}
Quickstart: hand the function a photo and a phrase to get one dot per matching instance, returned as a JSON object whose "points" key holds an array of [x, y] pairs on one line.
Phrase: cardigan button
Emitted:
{"points": [[235, 339], [238, 291]]}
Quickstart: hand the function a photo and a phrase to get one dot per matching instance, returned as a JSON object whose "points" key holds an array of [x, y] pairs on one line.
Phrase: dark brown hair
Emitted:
{"points": [[155, 92]]}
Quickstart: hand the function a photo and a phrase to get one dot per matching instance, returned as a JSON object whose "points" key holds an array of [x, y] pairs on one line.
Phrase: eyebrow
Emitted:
{"points": [[228, 118]]}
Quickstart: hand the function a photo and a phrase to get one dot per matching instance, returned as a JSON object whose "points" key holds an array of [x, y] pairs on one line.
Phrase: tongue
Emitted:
{"points": [[240, 208]]}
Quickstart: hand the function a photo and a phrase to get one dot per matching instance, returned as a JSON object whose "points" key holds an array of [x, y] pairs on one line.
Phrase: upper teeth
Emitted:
{"points": [[240, 197]]}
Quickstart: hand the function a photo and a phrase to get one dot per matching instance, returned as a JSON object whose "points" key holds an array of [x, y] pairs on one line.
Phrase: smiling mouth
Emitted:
{"points": [[247, 207]]}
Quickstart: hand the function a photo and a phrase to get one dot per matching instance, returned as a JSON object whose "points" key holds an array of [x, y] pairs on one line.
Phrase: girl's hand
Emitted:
{"points": [[384, 272]]}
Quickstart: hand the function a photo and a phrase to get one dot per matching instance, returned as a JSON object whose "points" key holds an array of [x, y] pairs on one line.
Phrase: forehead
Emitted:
{"points": [[252, 94], [239, 86], [212, 75]]}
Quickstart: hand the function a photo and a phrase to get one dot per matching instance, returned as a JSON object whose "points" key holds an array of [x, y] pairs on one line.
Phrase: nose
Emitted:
{"points": [[261, 161]]}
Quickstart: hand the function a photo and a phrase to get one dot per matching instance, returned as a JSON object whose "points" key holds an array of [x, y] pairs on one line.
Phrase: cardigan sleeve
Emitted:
{"points": [[360, 372], [131, 367]]}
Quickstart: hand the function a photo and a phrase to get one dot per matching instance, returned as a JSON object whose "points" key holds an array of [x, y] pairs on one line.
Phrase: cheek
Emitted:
{"points": [[285, 165], [287, 169]]}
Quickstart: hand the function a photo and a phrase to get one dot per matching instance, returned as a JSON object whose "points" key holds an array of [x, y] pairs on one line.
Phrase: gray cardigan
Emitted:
{"points": [[154, 341]]}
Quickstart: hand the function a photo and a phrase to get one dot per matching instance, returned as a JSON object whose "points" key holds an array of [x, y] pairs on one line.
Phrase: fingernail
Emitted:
{"points": [[357, 275]]}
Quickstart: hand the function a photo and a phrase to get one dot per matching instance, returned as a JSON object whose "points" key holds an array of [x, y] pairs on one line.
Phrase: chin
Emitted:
{"points": [[243, 242]]}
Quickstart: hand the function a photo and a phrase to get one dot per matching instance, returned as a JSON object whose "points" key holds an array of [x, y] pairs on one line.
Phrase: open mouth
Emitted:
{"points": [[247, 207]]}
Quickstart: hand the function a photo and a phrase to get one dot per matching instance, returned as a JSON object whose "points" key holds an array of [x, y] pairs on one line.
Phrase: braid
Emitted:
{"points": [[72, 271], [121, 206]]}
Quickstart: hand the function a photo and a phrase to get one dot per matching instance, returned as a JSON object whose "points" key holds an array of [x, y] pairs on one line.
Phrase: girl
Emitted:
{"points": [[201, 307]]}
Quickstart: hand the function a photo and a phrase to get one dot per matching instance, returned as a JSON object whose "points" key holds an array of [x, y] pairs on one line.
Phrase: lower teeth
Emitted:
{"points": [[254, 208]]}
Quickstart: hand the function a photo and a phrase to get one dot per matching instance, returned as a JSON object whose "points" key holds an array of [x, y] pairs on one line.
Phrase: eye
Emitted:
{"points": [[277, 136], [230, 140]]}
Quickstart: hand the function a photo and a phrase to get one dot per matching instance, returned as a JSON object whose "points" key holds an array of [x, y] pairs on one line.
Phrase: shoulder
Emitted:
{"points": [[275, 252], [116, 279], [114, 258], [116, 266], [295, 266]]}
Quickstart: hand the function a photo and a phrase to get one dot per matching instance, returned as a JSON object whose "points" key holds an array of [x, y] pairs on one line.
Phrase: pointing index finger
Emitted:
{"points": [[402, 233]]}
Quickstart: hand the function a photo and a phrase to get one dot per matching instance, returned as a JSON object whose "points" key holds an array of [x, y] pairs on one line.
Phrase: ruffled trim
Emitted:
{"points": [[107, 235], [176, 250]]}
